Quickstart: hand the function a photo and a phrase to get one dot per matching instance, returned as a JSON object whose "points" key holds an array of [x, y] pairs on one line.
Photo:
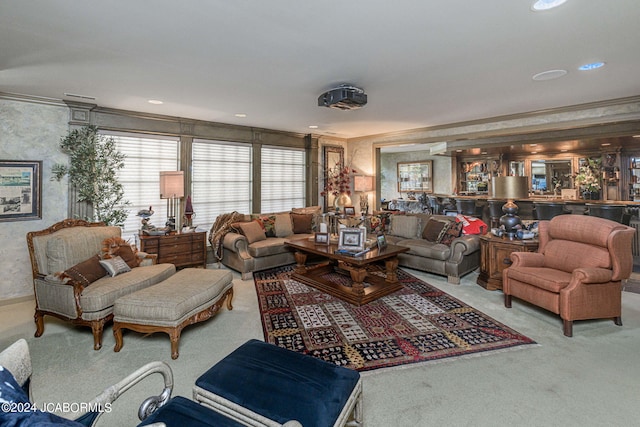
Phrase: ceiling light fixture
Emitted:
{"points": [[241, 115], [313, 126], [549, 75], [591, 66], [155, 102], [540, 5]]}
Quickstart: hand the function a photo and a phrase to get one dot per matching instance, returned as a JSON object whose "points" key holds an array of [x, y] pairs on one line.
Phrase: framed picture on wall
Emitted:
{"points": [[20, 190], [349, 210], [415, 176]]}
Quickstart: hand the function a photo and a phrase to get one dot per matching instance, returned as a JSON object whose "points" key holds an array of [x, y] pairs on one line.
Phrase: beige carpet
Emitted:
{"points": [[588, 380]]}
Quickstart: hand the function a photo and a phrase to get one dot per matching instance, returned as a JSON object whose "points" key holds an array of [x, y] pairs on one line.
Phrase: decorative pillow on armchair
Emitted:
{"points": [[115, 266], [116, 246], [85, 272], [435, 229]]}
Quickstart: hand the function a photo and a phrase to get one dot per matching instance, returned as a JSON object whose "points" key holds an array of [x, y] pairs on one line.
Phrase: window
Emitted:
{"points": [[283, 175], [221, 180], [145, 158]]}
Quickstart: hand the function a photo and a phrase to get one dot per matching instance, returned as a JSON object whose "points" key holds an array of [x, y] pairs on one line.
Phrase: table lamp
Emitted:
{"points": [[172, 189], [510, 188], [363, 184]]}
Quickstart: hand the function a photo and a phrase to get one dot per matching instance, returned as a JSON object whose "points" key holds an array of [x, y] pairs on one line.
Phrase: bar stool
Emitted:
{"points": [[613, 212], [547, 210], [495, 211]]}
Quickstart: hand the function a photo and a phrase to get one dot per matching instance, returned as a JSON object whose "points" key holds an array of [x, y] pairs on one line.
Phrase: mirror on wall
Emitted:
{"points": [[549, 176], [516, 168]]}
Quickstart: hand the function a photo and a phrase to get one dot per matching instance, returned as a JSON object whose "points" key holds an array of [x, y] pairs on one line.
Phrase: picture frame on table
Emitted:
{"points": [[321, 239], [20, 190], [381, 240], [351, 239], [349, 211]]}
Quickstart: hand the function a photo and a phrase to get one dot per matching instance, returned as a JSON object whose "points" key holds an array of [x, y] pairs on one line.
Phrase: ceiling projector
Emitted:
{"points": [[344, 97]]}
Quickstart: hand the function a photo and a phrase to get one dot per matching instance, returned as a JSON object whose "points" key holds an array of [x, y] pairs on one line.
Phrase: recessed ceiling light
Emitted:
{"points": [[241, 115], [155, 102], [591, 66], [540, 5], [313, 126], [458, 151], [483, 152], [533, 145], [549, 75], [605, 144], [534, 152], [564, 150]]}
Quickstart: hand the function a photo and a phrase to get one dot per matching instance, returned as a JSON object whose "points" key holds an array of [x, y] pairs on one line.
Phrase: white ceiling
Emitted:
{"points": [[421, 62]]}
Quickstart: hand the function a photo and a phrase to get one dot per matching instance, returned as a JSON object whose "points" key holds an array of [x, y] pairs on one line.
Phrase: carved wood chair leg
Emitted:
{"points": [[97, 326], [174, 337], [117, 334], [229, 298], [618, 320], [567, 327], [38, 317], [507, 301]]}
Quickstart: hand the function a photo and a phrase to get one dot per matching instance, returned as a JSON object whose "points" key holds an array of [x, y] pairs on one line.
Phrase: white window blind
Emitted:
{"points": [[221, 180], [145, 157], [283, 179]]}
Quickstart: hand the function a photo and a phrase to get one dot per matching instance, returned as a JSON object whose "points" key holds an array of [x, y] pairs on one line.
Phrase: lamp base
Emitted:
{"points": [[510, 220]]}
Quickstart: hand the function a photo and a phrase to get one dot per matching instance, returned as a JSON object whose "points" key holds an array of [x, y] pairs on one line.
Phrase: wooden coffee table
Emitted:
{"points": [[358, 268]]}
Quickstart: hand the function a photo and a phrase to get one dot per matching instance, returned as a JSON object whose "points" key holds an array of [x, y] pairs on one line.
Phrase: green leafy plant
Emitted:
{"points": [[94, 161], [588, 177]]}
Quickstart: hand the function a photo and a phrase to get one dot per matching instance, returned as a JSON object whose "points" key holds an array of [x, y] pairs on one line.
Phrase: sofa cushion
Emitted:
{"points": [[70, 246], [560, 255], [115, 265], [86, 272], [270, 246], [117, 246], [407, 226], [283, 225], [252, 231], [453, 232], [549, 279], [426, 249], [105, 291], [302, 223], [268, 224], [435, 229]]}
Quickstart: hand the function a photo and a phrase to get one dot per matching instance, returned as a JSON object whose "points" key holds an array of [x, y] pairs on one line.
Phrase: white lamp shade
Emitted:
{"points": [[363, 183], [171, 184]]}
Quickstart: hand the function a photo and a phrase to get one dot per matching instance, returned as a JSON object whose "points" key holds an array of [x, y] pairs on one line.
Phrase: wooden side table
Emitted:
{"points": [[182, 250], [495, 255]]}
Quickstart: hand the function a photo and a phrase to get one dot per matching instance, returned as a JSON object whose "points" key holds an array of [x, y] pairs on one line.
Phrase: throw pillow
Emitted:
{"points": [[472, 225], [116, 246], [407, 226], [453, 231], [435, 229], [268, 224], [283, 225], [85, 272], [252, 231], [11, 394], [302, 223], [379, 223], [314, 210], [115, 266]]}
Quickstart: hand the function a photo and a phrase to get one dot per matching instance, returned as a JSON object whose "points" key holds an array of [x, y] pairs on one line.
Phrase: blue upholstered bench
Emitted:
{"points": [[261, 384], [182, 412]]}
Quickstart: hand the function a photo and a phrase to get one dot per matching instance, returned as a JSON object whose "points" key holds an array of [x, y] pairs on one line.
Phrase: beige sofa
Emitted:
{"points": [[461, 255], [87, 298], [246, 249]]}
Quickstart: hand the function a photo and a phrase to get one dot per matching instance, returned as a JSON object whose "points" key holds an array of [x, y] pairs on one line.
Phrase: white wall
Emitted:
{"points": [[30, 131]]}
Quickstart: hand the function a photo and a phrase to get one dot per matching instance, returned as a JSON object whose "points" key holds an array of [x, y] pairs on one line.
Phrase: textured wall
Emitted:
{"points": [[30, 131]]}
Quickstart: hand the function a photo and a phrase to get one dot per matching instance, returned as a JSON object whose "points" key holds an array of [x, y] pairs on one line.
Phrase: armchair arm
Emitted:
{"points": [[60, 296], [17, 359], [527, 259], [95, 407], [593, 275], [463, 245]]}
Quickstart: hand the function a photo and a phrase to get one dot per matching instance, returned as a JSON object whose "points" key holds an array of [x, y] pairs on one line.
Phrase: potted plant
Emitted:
{"points": [[93, 167]]}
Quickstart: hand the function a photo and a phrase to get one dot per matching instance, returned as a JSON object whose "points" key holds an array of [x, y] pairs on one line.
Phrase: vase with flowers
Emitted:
{"points": [[588, 179], [338, 185]]}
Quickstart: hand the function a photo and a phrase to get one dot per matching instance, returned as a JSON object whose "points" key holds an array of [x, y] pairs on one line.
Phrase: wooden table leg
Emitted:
{"points": [[357, 276], [301, 260], [392, 267]]}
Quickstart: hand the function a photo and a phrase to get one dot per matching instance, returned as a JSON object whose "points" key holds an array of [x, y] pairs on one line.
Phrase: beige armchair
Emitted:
{"points": [[81, 299], [577, 271]]}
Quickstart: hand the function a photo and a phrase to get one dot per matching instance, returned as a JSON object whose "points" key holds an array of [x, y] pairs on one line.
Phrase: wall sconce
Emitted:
{"points": [[363, 184], [172, 189]]}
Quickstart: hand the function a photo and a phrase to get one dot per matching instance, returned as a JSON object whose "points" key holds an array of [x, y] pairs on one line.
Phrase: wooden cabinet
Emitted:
{"points": [[182, 250], [495, 255], [475, 175]]}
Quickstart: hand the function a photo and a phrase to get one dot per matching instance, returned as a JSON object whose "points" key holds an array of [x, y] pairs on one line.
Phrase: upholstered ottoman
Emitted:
{"points": [[260, 384], [190, 296]]}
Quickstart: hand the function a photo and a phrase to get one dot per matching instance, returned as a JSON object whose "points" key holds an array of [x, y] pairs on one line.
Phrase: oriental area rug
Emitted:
{"points": [[418, 323]]}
